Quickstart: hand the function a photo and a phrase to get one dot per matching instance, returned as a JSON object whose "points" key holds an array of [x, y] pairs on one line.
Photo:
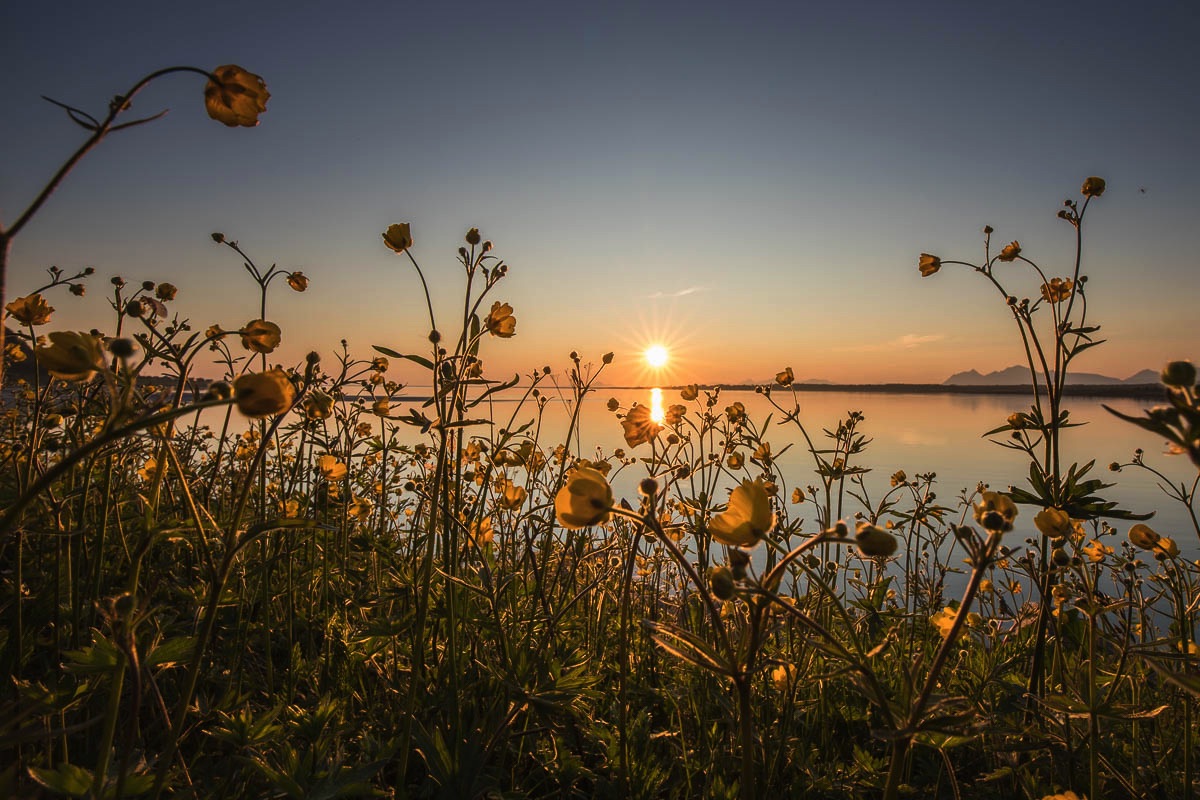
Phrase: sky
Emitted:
{"points": [[749, 184]]}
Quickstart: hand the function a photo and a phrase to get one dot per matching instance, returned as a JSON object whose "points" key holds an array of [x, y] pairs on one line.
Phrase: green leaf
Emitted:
{"points": [[424, 362], [172, 652], [64, 779]]}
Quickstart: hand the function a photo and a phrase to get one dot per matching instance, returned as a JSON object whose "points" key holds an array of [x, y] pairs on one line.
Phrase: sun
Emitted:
{"points": [[656, 356]]}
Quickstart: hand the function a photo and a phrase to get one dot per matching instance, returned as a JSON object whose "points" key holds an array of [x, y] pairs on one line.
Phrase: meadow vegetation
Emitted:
{"points": [[293, 583]]}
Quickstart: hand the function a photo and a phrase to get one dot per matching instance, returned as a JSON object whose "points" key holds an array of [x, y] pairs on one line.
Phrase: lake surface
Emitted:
{"points": [[921, 433]]}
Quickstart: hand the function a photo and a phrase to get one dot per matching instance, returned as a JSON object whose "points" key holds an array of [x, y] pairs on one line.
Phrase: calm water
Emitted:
{"points": [[932, 433], [917, 433]]}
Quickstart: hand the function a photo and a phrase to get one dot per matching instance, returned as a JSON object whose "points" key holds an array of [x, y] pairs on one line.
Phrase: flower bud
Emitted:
{"points": [[1179, 375]]}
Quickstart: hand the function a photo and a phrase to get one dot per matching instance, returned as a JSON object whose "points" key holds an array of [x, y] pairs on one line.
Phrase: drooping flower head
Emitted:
{"points": [[237, 97], [928, 264]]}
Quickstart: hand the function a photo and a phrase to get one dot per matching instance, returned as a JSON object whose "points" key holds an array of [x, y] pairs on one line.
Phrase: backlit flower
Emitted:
{"points": [[166, 292], [1095, 550], [1166, 546], [782, 676], [1093, 187], [747, 517], [584, 500], [298, 281], [736, 413], [360, 508], [639, 427], [30, 310], [237, 97], [1010, 252], [71, 356], [500, 321], [1143, 536], [928, 264], [995, 512], [317, 405], [331, 469], [786, 377], [260, 336], [1057, 290], [1053, 522], [262, 394], [381, 407], [874, 541], [944, 620], [689, 392], [481, 533], [398, 237]]}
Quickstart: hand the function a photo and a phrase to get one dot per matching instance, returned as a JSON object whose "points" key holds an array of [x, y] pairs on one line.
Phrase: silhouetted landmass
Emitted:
{"points": [[1020, 375]]}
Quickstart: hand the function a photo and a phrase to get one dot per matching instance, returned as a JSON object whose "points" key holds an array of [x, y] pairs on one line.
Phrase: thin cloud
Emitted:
{"points": [[906, 342], [680, 293]]}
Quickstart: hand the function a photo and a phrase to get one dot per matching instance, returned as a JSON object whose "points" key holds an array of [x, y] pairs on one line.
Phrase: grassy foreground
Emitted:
{"points": [[326, 594]]}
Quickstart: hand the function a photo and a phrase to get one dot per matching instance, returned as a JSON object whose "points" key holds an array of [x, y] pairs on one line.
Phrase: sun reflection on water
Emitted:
{"points": [[657, 414]]}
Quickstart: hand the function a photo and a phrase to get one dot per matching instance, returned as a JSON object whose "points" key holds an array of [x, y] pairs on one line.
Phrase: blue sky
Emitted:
{"points": [[751, 182]]}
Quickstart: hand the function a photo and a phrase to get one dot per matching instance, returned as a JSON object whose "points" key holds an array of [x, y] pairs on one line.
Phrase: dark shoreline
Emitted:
{"points": [[1140, 391]]}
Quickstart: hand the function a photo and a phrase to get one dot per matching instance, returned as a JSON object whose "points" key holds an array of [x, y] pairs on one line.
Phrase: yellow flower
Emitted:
{"points": [[1067, 795], [481, 533], [30, 310], [237, 97], [1010, 252], [996, 512], [986, 587], [298, 281], [747, 517], [736, 460], [262, 394], [899, 477], [1095, 550], [512, 496], [584, 500], [639, 427], [360, 508], [317, 405], [398, 237], [260, 336], [782, 676], [873, 541], [166, 292], [1057, 290], [381, 407], [944, 620], [331, 469], [1143, 536], [1166, 546], [689, 392], [736, 413], [1093, 187], [500, 321], [797, 495], [1054, 523], [71, 356], [785, 378], [928, 264]]}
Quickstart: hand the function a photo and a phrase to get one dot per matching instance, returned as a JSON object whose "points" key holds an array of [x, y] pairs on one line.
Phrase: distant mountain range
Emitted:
{"points": [[1020, 375]]}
